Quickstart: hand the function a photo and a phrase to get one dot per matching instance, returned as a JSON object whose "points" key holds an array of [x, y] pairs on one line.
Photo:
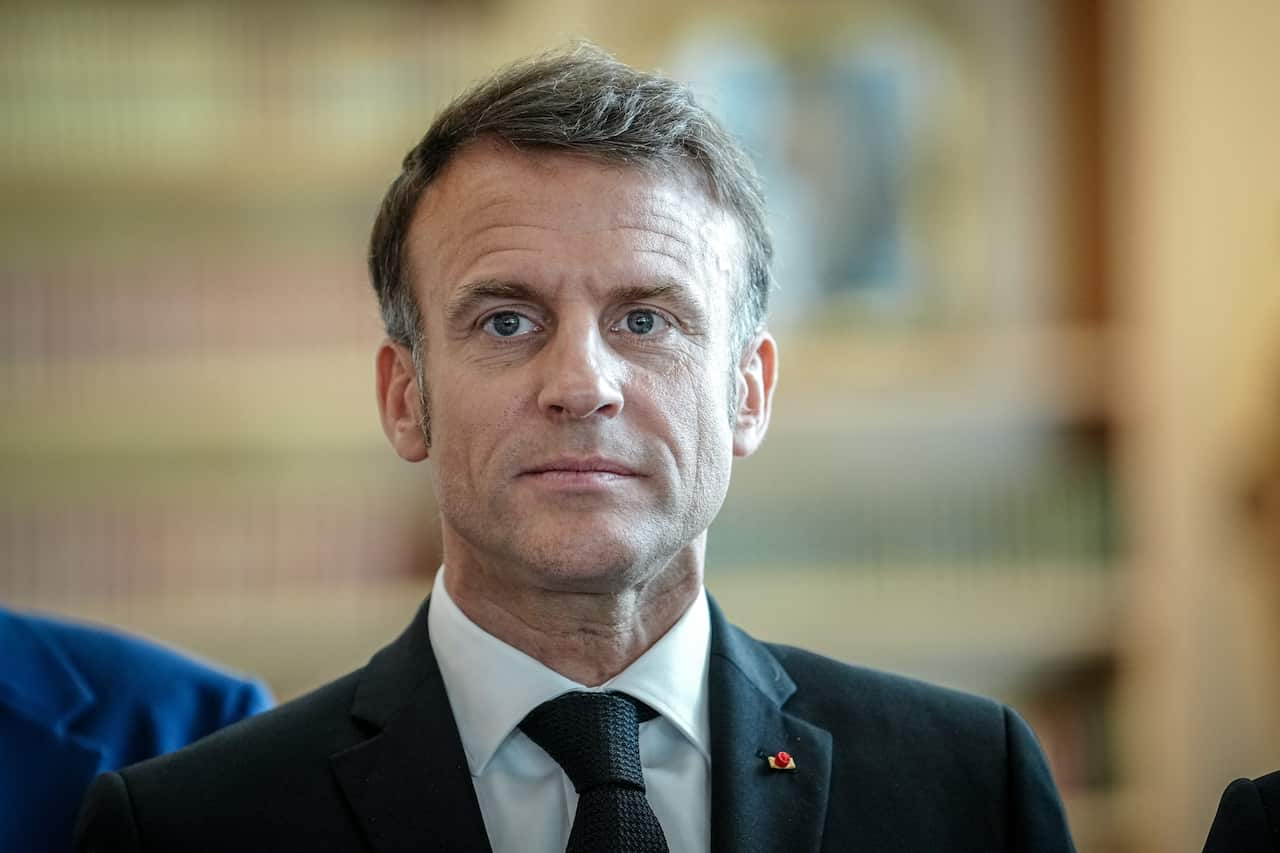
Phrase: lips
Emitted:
{"points": [[581, 465]]}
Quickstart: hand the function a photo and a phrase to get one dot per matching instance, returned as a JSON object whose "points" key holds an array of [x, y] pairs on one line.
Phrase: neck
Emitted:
{"points": [[586, 636]]}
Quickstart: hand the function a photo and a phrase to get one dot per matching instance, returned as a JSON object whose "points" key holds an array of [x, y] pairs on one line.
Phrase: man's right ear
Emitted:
{"points": [[399, 403]]}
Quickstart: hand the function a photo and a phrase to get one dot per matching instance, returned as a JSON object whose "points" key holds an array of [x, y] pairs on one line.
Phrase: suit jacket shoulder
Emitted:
{"points": [[891, 700], [1248, 818], [370, 761], [270, 772], [915, 766]]}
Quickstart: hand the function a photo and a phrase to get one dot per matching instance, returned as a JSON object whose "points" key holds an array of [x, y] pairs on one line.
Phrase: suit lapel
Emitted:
{"points": [[411, 790], [754, 807], [409, 784]]}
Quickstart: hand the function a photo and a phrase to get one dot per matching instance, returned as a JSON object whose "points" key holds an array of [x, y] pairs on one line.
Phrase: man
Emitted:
{"points": [[573, 269], [1248, 819], [77, 700]]}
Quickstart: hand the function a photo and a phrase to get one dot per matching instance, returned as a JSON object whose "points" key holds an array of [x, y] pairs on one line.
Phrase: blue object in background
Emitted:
{"points": [[77, 700]]}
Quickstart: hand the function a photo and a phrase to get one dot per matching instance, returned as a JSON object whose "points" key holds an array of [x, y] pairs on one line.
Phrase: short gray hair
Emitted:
{"points": [[579, 100]]}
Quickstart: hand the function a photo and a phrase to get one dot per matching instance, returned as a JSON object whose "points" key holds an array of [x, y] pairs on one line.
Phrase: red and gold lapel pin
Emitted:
{"points": [[781, 761]]}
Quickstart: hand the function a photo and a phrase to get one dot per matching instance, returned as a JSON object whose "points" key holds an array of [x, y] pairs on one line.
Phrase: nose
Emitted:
{"points": [[581, 375]]}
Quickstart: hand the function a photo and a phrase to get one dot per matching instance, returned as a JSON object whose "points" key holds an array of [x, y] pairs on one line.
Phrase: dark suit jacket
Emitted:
{"points": [[77, 700], [1248, 819], [373, 762]]}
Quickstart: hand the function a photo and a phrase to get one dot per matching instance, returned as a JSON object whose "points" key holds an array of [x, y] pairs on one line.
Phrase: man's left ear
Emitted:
{"points": [[757, 375]]}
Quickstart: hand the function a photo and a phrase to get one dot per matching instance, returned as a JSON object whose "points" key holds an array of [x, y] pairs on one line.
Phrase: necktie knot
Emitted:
{"points": [[595, 738]]}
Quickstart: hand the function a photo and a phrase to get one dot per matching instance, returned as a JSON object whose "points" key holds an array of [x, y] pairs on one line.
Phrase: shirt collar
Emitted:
{"points": [[492, 685]]}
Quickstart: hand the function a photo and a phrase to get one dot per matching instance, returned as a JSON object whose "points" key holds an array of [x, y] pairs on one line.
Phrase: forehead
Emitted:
{"points": [[493, 203]]}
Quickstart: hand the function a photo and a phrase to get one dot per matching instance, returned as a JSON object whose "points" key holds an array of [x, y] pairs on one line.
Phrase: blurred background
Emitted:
{"points": [[1027, 437]]}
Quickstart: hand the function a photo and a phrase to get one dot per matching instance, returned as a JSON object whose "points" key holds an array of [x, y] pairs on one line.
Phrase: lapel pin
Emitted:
{"points": [[782, 761]]}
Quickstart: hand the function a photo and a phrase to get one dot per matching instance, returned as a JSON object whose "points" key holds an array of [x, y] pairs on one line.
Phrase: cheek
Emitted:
{"points": [[469, 420], [692, 399]]}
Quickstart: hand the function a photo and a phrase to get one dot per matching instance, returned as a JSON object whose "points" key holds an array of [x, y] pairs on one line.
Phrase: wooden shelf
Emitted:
{"points": [[931, 379]]}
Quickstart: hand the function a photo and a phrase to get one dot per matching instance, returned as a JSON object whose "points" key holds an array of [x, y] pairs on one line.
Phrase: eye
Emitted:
{"points": [[643, 321], [508, 324]]}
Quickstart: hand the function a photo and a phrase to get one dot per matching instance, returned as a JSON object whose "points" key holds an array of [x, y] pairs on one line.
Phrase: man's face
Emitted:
{"points": [[578, 365]]}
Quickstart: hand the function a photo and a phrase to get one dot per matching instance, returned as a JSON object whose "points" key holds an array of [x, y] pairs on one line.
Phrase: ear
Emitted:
{"points": [[757, 374], [398, 401]]}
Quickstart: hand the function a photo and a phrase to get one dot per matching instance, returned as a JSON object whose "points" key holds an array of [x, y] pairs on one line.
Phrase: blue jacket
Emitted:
{"points": [[76, 701]]}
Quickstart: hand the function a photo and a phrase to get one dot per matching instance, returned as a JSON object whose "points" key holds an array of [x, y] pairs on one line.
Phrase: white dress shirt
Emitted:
{"points": [[527, 801]]}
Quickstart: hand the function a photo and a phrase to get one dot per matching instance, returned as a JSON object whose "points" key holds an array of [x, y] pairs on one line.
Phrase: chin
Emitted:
{"points": [[595, 564]]}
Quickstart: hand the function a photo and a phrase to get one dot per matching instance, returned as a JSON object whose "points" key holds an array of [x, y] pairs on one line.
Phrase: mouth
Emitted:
{"points": [[580, 466]]}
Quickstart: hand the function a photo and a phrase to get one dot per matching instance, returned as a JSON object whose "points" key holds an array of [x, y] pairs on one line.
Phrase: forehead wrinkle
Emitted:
{"points": [[682, 261], [535, 226], [454, 244], [652, 231], [673, 254]]}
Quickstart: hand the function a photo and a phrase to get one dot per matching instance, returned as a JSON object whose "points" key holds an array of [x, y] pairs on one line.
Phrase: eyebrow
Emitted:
{"points": [[665, 289], [475, 294]]}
